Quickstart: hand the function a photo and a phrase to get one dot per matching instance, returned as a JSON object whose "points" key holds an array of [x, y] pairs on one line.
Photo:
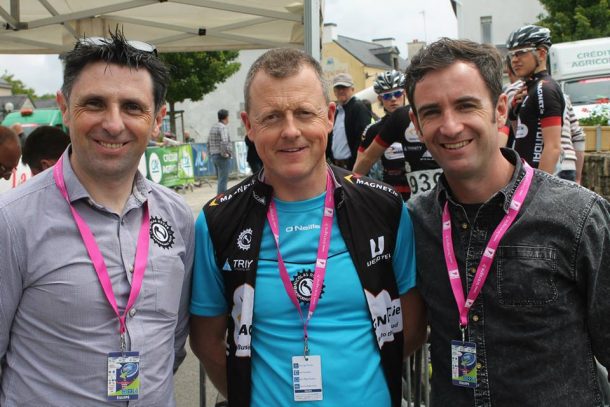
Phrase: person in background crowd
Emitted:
{"points": [[302, 238], [220, 149], [537, 113], [517, 297], [95, 260], [43, 148], [389, 87], [18, 129], [351, 119], [10, 152]]}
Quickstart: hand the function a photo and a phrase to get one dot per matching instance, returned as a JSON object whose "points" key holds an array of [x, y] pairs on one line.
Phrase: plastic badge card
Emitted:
{"points": [[307, 378], [123, 376], [464, 364]]}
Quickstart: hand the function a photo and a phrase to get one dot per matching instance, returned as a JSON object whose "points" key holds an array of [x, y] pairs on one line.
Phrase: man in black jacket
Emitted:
{"points": [[351, 119]]}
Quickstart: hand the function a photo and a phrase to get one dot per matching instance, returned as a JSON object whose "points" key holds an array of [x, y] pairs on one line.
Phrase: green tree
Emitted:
{"points": [[17, 86], [571, 20], [195, 74]]}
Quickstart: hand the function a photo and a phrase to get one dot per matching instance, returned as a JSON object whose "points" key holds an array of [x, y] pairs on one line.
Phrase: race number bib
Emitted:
{"points": [[423, 180]]}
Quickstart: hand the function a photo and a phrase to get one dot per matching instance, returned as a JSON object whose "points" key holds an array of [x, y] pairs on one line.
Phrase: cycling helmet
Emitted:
{"points": [[389, 80], [529, 36]]}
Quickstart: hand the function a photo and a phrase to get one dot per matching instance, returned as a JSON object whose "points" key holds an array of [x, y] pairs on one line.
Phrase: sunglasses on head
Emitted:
{"points": [[393, 94], [101, 41], [520, 52]]}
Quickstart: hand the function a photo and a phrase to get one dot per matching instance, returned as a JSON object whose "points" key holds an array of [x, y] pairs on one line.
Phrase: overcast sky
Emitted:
{"points": [[404, 20]]}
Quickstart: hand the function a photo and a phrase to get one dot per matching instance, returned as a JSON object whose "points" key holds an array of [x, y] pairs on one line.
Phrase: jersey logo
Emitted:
{"points": [[302, 283], [411, 134], [244, 240], [161, 233], [377, 246]]}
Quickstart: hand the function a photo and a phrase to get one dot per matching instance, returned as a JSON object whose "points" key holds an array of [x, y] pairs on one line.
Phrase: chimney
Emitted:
{"points": [[329, 33], [413, 47], [385, 42]]}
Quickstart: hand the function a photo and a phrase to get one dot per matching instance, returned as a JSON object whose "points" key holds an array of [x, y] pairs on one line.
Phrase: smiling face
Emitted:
{"points": [[289, 121], [111, 116], [458, 122]]}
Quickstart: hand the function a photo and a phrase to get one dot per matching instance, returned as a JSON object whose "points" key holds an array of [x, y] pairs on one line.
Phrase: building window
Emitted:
{"points": [[486, 30]]}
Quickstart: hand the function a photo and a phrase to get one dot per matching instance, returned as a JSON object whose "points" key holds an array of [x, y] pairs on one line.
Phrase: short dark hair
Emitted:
{"points": [[223, 114], [116, 50], [45, 142], [283, 63], [445, 52]]}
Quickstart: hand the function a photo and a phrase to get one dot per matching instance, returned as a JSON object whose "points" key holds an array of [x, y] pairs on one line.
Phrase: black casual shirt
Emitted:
{"points": [[542, 314]]}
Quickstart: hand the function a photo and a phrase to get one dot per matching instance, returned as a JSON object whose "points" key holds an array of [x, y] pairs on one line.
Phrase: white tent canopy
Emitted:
{"points": [[52, 26]]}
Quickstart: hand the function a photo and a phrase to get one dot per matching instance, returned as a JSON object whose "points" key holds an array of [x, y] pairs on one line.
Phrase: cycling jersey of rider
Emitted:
{"points": [[422, 171], [542, 107], [392, 160]]}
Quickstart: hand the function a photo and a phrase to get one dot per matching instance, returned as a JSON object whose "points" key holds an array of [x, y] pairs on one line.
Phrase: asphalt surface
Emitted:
{"points": [[187, 378]]}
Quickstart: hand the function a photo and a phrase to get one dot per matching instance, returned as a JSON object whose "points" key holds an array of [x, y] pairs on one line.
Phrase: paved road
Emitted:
{"points": [[187, 378]]}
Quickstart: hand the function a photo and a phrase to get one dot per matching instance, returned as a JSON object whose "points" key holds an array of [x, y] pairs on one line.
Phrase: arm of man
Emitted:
{"points": [[209, 308], [578, 142], [413, 310], [225, 144], [551, 136], [593, 266], [414, 322], [11, 286], [208, 344], [182, 325], [365, 159]]}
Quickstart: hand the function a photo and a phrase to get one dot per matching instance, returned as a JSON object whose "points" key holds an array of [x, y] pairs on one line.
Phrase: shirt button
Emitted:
{"points": [[475, 318], [464, 225], [479, 366], [131, 269], [472, 270], [132, 312]]}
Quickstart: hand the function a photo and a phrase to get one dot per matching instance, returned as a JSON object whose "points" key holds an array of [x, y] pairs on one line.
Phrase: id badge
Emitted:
{"points": [[464, 364], [307, 378], [123, 376]]}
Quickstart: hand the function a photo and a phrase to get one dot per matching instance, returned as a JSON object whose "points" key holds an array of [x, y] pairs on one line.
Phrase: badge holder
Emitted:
{"points": [[123, 374], [464, 362], [307, 376]]}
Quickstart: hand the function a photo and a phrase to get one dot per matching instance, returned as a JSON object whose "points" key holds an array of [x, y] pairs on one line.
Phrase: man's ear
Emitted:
{"points": [[501, 110], [62, 102], [158, 122], [246, 121]]}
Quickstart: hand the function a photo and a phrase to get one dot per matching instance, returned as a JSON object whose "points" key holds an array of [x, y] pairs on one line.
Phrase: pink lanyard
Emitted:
{"points": [[98, 259], [488, 254], [320, 268]]}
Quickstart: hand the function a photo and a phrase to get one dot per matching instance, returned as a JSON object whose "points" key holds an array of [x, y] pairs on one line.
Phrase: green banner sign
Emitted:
{"points": [[170, 166]]}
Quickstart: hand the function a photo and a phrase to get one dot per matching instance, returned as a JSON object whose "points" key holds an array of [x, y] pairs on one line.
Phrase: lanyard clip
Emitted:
{"points": [[305, 347], [463, 329]]}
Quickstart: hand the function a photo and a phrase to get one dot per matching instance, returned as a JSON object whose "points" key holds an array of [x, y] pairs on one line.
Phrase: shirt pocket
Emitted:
{"points": [[526, 275], [168, 276]]}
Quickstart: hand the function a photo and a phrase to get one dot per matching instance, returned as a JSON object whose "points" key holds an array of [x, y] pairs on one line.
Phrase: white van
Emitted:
{"points": [[582, 68]]}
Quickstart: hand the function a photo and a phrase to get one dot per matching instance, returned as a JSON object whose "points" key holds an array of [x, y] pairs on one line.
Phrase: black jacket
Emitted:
{"points": [[365, 209], [357, 117]]}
